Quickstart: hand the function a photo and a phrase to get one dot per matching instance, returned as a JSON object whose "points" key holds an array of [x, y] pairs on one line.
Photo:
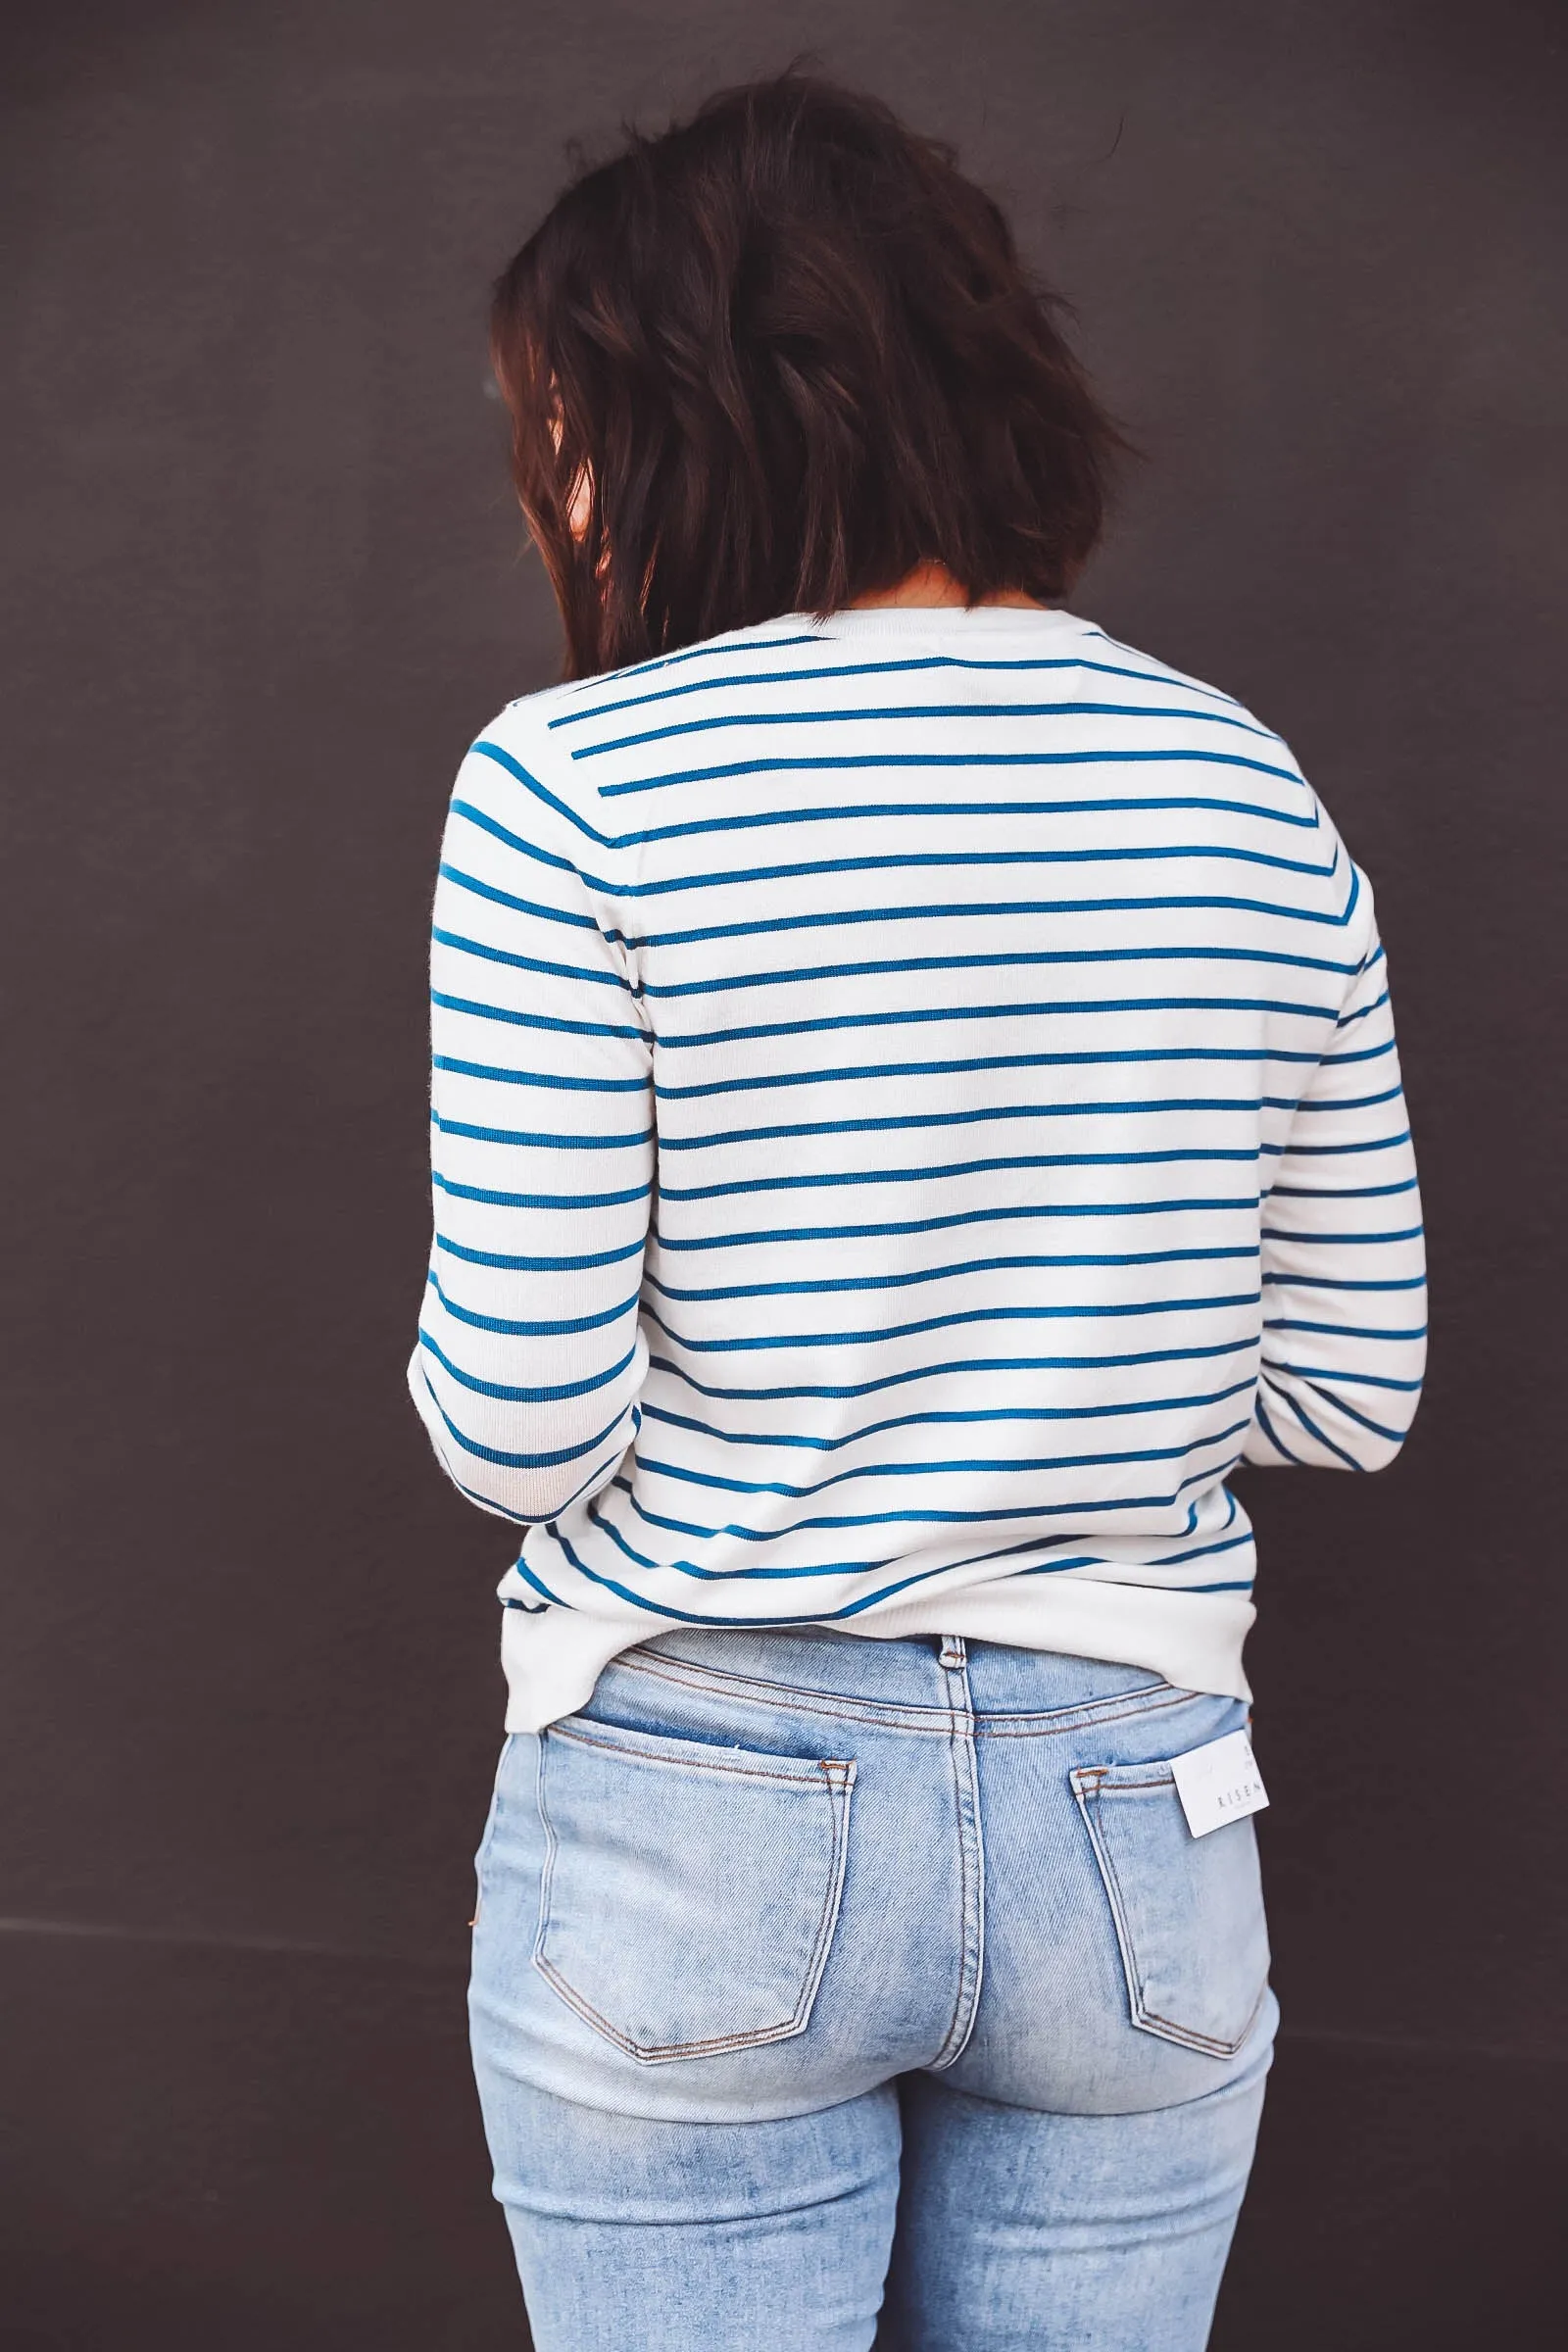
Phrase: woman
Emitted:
{"points": [[915, 1107]]}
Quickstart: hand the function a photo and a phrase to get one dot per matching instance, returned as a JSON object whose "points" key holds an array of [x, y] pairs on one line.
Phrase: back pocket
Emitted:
{"points": [[1188, 1911], [690, 1892]]}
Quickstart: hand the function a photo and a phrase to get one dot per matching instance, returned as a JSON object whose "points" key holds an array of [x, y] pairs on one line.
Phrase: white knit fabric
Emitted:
{"points": [[914, 1103]]}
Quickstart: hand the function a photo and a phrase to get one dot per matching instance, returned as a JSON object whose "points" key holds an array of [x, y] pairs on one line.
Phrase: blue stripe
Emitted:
{"points": [[920, 1016], [494, 1199], [667, 1611], [533, 1264], [837, 1177], [533, 1020], [1376, 1142], [1267, 1427], [499, 832], [1328, 1192], [1247, 1345], [902, 1280], [920, 1121], [508, 1395], [1389, 1093], [505, 897], [1378, 1429], [557, 1457], [716, 651], [842, 762], [718, 1576], [882, 863], [1344, 1331], [502, 1076], [484, 954], [486, 1503], [1287, 1233], [1160, 671], [521, 1567], [902, 1071], [683, 1474], [1009, 1413], [1339, 1281], [990, 910], [1375, 1005], [1198, 1552], [1333, 1061], [754, 820], [972, 1216], [1056, 1563], [892, 714], [1307, 1423], [541, 1139], [1094, 1310], [901, 966], [1355, 1380], [549, 1328], [934, 1517], [869, 669]]}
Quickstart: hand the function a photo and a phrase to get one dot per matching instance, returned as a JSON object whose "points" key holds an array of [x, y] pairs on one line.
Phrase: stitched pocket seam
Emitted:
{"points": [[779, 1776], [1087, 1788], [835, 1776]]}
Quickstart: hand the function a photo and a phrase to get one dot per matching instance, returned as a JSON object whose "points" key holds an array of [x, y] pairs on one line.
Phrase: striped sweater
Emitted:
{"points": [[914, 1105]]}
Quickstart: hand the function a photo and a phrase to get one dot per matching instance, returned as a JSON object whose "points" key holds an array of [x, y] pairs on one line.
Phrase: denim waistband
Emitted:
{"points": [[916, 1683]]}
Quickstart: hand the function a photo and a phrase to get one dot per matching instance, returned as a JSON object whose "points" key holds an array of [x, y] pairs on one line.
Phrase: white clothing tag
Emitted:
{"points": [[1218, 1784]]}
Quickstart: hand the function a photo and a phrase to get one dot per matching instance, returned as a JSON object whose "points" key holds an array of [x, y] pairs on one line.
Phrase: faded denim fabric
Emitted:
{"points": [[805, 1964]]}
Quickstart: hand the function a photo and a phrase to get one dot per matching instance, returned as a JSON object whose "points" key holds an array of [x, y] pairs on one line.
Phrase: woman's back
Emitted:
{"points": [[914, 1105], [975, 1035]]}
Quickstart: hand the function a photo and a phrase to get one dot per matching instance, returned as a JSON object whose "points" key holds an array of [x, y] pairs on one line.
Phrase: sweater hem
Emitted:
{"points": [[553, 1659]]}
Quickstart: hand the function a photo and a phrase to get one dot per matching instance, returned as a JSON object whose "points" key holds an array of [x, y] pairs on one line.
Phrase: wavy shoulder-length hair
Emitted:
{"points": [[775, 359]]}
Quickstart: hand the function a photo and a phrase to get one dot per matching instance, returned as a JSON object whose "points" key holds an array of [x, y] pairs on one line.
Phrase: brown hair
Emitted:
{"points": [[772, 361]]}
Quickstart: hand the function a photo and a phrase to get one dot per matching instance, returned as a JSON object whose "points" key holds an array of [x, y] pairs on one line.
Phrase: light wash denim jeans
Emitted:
{"points": [[807, 1966]]}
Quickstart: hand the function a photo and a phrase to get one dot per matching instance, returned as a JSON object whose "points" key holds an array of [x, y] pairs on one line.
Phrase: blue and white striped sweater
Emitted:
{"points": [[914, 1103]]}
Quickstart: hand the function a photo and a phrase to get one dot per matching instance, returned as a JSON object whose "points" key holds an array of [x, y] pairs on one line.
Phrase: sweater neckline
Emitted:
{"points": [[943, 621]]}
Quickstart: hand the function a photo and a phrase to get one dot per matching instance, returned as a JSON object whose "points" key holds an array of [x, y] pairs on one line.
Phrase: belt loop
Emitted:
{"points": [[971, 1871]]}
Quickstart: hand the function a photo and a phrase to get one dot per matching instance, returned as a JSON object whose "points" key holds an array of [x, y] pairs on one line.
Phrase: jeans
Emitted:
{"points": [[807, 1968]]}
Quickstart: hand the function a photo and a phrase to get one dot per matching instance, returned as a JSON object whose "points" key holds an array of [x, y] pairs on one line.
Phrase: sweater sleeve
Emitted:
{"points": [[529, 1358], [1344, 1262]]}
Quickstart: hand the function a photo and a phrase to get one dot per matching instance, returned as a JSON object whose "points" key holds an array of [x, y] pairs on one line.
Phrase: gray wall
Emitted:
{"points": [[263, 584]]}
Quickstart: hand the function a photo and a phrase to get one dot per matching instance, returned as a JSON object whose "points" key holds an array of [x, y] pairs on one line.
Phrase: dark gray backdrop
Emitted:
{"points": [[264, 585]]}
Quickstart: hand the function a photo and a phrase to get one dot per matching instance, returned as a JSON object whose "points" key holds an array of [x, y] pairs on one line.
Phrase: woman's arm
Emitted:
{"points": [[1344, 1262], [529, 1358]]}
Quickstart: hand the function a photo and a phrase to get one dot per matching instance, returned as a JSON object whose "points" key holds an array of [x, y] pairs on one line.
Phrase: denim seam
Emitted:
{"points": [[837, 1776], [1204, 2041], [913, 1716], [1088, 1789], [1035, 1727], [941, 2058], [672, 1665], [780, 1776], [966, 1815]]}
